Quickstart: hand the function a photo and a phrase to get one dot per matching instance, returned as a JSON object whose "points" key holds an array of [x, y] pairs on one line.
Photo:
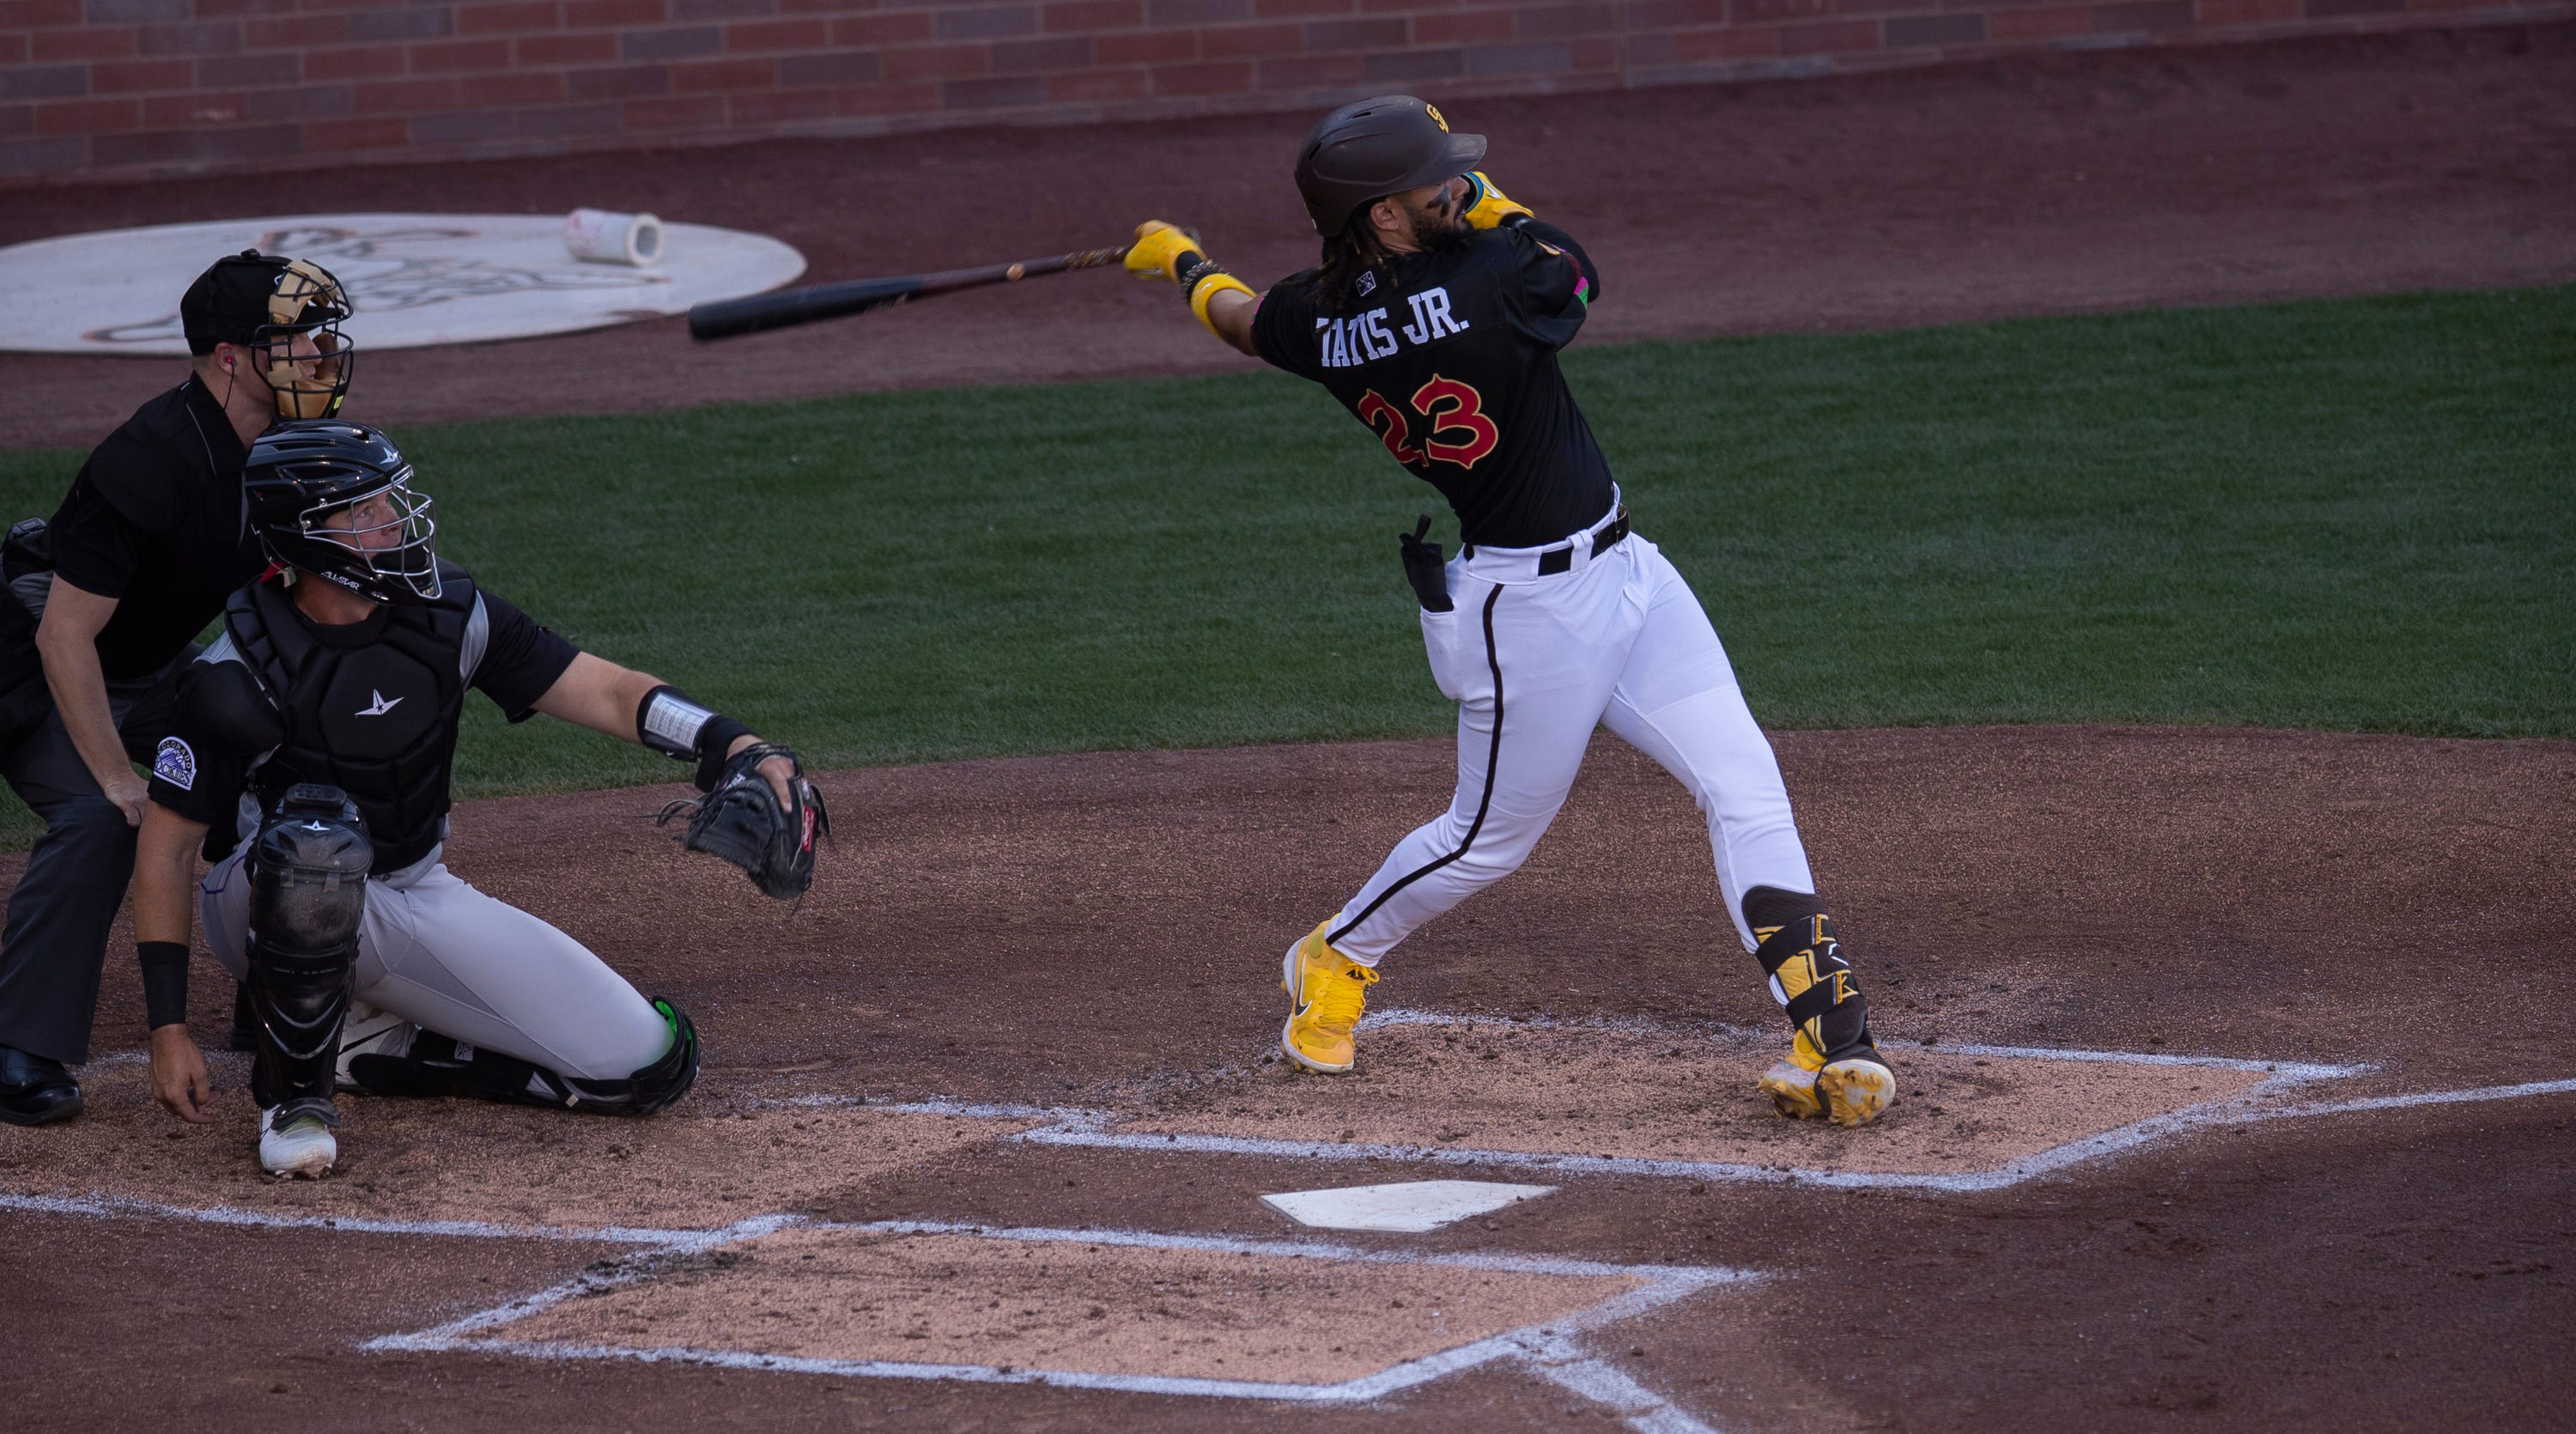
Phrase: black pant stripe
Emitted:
{"points": [[1485, 800]]}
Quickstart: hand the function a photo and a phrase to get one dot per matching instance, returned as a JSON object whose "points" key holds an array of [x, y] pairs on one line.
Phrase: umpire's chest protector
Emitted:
{"points": [[371, 709]]}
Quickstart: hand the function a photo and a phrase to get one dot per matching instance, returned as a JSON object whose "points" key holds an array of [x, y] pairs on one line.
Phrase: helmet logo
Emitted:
{"points": [[1434, 112]]}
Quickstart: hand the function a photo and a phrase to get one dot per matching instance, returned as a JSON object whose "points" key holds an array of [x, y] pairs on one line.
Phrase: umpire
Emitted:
{"points": [[102, 607]]}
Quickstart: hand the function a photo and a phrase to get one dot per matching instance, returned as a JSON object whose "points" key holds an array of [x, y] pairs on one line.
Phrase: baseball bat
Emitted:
{"points": [[788, 307]]}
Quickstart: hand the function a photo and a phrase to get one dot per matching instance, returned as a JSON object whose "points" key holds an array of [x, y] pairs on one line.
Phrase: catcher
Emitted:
{"points": [[316, 737]]}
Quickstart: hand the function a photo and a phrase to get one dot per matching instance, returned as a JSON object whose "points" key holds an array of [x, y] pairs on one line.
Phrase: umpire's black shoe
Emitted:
{"points": [[34, 1090]]}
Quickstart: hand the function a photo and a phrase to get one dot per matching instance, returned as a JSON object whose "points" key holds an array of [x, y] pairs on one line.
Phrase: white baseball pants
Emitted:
{"points": [[1534, 663], [438, 953]]}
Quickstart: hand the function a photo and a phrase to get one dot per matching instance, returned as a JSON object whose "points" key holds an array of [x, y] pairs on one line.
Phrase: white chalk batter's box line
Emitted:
{"points": [[1098, 1129], [105, 1206], [1547, 1349]]}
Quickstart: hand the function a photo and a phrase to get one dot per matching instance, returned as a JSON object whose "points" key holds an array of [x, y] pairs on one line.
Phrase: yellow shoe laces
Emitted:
{"points": [[1337, 1007]]}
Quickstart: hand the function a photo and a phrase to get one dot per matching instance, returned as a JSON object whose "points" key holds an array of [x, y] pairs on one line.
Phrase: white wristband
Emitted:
{"points": [[670, 723]]}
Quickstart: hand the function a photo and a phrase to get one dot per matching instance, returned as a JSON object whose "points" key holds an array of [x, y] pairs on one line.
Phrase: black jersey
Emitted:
{"points": [[1450, 358], [156, 521], [370, 707]]}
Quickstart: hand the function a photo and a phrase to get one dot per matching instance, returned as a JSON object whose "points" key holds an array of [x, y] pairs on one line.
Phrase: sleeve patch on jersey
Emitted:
{"points": [[175, 764], [1583, 290]]}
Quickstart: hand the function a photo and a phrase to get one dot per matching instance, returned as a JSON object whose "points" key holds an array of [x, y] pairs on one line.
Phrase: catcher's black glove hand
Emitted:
{"points": [[742, 820]]}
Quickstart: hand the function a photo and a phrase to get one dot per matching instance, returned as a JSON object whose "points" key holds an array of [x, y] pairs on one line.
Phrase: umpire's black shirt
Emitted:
{"points": [[1450, 357], [156, 521]]}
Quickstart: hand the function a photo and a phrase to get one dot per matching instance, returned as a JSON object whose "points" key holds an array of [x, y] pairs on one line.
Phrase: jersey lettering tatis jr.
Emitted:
{"points": [[1450, 358]]}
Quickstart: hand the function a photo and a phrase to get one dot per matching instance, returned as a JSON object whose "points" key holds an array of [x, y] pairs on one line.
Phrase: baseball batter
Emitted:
{"points": [[319, 733], [1435, 318]]}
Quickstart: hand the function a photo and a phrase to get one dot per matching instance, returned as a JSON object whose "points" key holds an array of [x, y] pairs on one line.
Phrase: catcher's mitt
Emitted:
{"points": [[741, 820]]}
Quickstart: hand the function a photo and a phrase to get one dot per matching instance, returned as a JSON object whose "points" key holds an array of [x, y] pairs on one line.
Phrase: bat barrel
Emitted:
{"points": [[752, 313], [727, 317], [784, 308]]}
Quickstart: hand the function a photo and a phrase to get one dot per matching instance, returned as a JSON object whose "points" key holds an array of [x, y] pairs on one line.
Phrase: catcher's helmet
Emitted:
{"points": [[264, 302], [300, 475], [1370, 149]]}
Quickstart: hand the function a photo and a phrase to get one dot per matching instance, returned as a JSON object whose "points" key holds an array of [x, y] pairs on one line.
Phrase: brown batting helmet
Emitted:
{"points": [[1365, 151]]}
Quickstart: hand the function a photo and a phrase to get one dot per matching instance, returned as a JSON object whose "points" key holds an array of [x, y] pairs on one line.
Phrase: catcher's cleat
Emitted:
{"points": [[370, 1033], [1326, 993], [1853, 1090], [295, 1140]]}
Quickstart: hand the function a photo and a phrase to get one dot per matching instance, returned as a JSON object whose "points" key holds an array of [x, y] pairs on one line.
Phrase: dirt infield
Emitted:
{"points": [[1041, 1019], [2236, 1082], [2032, 185]]}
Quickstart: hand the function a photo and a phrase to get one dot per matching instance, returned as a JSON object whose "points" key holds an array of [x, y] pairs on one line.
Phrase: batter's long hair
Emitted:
{"points": [[1348, 255]]}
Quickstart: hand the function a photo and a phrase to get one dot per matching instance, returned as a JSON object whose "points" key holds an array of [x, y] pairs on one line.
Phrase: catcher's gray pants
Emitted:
{"points": [[440, 954]]}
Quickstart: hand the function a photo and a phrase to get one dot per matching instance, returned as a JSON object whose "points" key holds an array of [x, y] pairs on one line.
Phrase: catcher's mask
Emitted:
{"points": [[287, 314], [1365, 151], [304, 475]]}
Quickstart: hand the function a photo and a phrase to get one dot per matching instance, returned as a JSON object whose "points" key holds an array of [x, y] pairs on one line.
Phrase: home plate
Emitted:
{"points": [[1409, 1206]]}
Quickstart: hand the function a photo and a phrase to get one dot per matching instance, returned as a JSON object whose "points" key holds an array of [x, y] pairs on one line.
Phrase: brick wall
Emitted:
{"points": [[133, 87]]}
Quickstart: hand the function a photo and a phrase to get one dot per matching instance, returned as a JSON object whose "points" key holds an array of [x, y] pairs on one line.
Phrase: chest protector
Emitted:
{"points": [[375, 718]]}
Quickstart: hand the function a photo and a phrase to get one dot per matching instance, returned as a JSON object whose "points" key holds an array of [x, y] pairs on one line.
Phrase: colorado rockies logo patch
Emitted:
{"points": [[175, 764]]}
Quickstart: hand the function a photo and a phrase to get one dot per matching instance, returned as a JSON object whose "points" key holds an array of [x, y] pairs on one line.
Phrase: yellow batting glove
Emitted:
{"points": [[1488, 206], [1160, 251]]}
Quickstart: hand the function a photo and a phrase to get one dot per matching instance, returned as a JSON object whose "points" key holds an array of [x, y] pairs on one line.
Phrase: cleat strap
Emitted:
{"points": [[303, 1106], [1817, 1000], [1802, 955]]}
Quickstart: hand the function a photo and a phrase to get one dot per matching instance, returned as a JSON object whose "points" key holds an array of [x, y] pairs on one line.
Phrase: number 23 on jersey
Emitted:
{"points": [[1459, 431]]}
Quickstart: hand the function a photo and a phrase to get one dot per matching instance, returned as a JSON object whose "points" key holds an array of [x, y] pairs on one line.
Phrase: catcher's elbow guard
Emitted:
{"points": [[674, 724]]}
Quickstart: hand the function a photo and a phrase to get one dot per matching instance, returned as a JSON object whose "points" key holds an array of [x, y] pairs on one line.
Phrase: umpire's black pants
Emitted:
{"points": [[55, 942]]}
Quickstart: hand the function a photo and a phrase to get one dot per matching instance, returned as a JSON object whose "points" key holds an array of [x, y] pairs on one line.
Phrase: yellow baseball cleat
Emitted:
{"points": [[1326, 993], [1852, 1091]]}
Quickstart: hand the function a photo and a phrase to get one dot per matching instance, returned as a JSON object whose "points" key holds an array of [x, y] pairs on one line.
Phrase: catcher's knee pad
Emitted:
{"points": [[308, 895], [437, 1065], [1809, 976], [649, 1089]]}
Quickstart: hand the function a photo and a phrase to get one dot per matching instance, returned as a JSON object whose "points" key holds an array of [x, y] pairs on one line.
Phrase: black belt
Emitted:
{"points": [[1557, 560]]}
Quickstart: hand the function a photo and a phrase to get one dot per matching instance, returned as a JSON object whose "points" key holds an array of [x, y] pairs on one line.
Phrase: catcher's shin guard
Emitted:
{"points": [[430, 1064], [1834, 1069], [308, 896]]}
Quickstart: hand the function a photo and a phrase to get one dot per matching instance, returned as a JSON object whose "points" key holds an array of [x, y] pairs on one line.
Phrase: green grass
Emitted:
{"points": [[2352, 515]]}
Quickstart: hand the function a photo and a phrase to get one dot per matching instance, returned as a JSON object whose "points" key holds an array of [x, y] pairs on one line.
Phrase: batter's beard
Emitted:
{"points": [[1437, 233]]}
